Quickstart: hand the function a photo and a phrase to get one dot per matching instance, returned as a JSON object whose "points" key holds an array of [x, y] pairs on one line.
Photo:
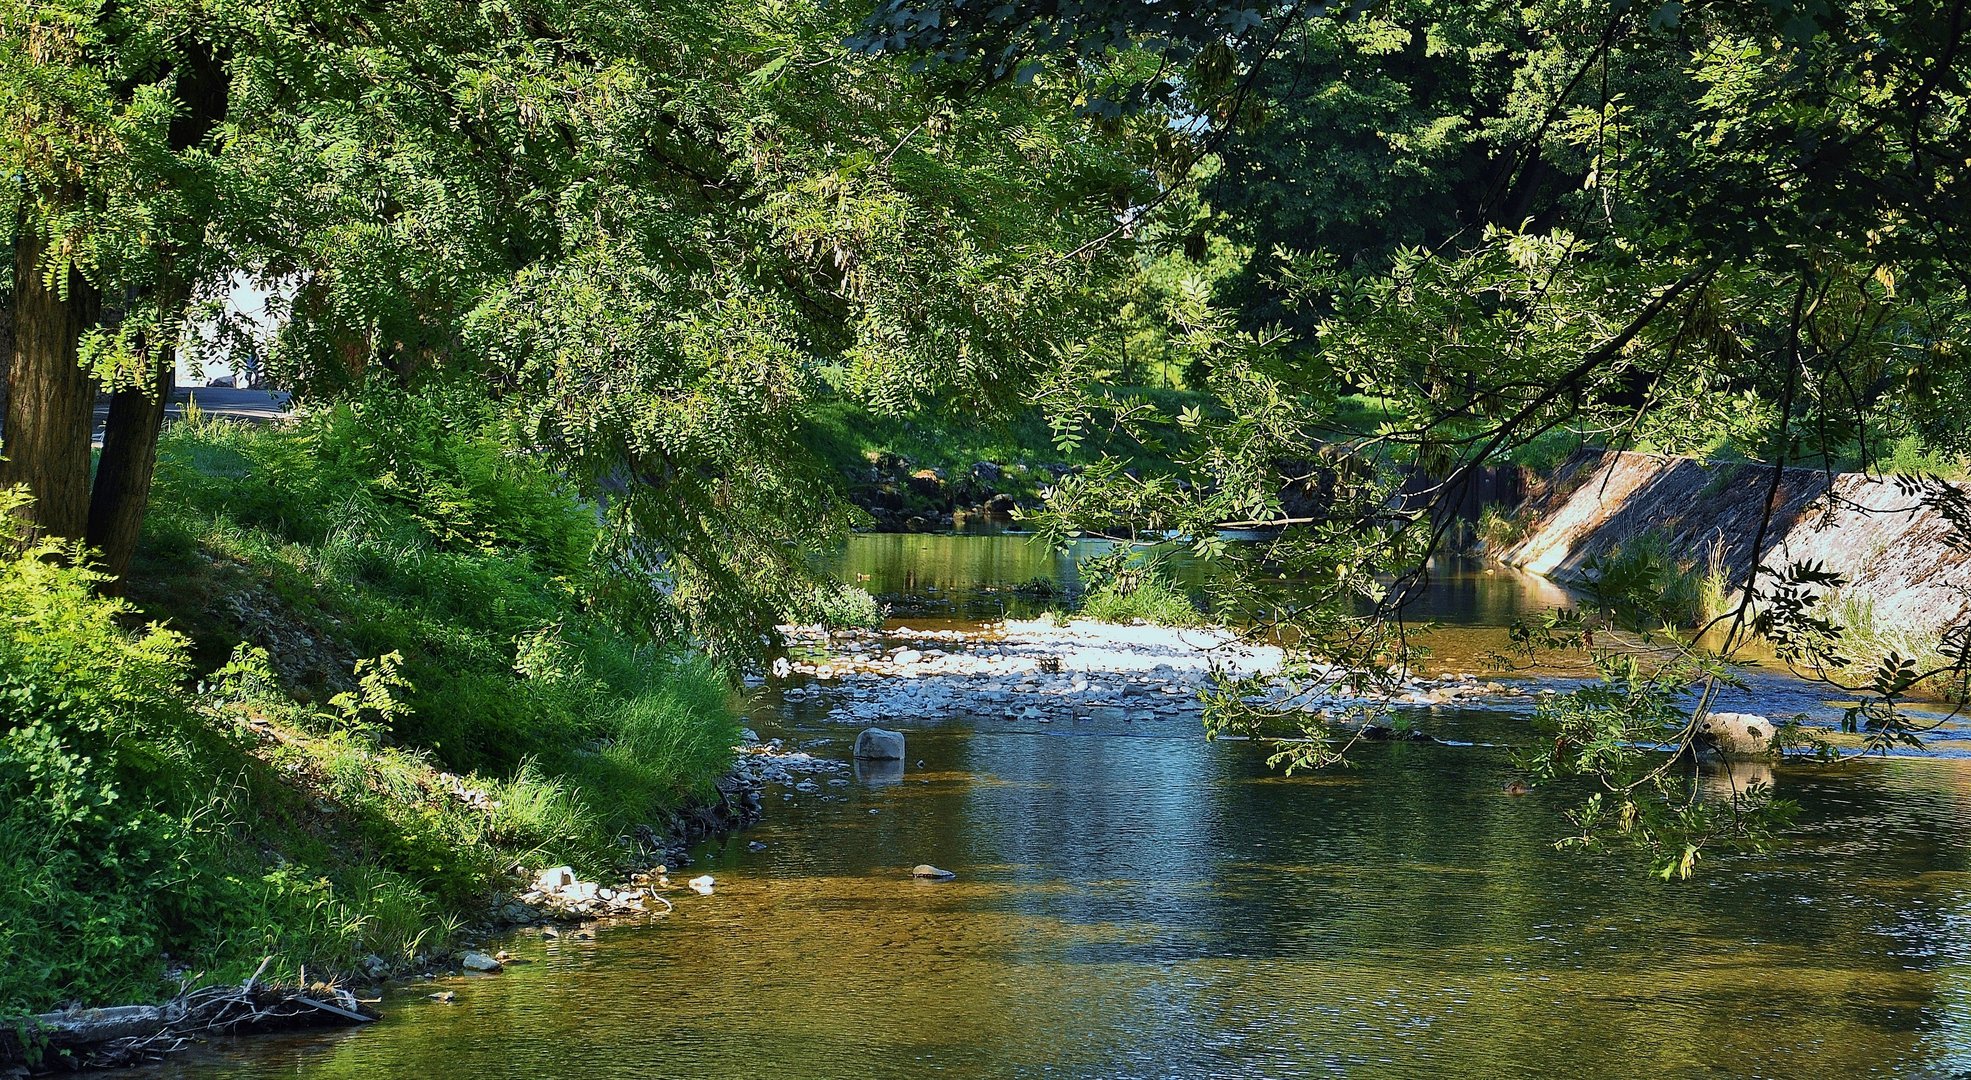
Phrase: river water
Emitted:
{"points": [[1134, 901]]}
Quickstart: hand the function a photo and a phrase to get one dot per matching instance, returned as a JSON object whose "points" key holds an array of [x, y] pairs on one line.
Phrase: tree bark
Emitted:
{"points": [[6, 336], [122, 491], [51, 401]]}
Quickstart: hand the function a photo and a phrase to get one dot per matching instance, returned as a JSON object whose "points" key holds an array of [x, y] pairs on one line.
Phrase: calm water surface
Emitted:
{"points": [[1136, 902]]}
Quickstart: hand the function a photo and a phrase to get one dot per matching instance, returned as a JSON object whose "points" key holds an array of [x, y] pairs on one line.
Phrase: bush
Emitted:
{"points": [[1642, 582], [1122, 591], [102, 767], [426, 700]]}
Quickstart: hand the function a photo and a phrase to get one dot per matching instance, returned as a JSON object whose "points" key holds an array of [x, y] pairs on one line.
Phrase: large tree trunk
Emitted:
{"points": [[6, 339], [51, 401], [122, 491], [129, 460]]}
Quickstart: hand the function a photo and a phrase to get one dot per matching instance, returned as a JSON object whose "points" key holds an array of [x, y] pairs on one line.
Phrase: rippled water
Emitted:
{"points": [[1134, 901]]}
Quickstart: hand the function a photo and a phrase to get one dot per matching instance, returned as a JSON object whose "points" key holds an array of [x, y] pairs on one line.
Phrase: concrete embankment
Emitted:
{"points": [[1902, 545]]}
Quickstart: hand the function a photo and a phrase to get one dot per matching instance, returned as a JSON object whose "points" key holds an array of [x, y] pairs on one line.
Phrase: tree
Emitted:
{"points": [[1705, 207], [111, 113], [652, 267]]}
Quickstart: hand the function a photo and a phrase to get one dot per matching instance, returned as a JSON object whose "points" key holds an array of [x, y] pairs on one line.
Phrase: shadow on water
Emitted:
{"points": [[1134, 901]]}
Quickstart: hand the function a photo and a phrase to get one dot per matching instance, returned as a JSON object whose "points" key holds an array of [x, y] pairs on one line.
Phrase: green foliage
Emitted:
{"points": [[418, 582], [839, 607], [1122, 589], [396, 525], [1642, 581], [1521, 232], [1498, 530], [100, 763]]}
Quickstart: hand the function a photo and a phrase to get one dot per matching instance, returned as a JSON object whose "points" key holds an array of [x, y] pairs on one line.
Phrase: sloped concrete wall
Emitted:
{"points": [[1893, 543]]}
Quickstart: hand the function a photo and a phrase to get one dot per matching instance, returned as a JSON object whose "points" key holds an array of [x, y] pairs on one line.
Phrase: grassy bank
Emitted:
{"points": [[359, 674], [1127, 587]]}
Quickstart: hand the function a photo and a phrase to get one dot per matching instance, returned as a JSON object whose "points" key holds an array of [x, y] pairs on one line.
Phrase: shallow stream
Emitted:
{"points": [[1133, 901]]}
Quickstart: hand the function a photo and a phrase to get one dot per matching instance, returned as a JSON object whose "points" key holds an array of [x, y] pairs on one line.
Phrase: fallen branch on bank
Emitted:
{"points": [[130, 1034]]}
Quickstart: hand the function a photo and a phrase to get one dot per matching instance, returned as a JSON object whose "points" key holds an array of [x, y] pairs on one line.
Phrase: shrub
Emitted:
{"points": [[438, 704], [1122, 591], [101, 770]]}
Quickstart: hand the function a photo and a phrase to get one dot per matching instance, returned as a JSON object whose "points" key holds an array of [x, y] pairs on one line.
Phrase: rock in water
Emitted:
{"points": [[878, 744], [926, 870], [1737, 735], [702, 884], [478, 961]]}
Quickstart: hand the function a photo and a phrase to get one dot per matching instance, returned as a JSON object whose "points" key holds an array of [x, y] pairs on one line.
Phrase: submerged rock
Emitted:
{"points": [[879, 744]]}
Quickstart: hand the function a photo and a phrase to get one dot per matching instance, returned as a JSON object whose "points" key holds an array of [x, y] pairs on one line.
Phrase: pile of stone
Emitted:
{"points": [[1046, 671], [772, 762], [557, 892], [1040, 670], [476, 798]]}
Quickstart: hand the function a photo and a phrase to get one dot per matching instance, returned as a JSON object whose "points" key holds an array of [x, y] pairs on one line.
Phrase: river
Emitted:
{"points": [[1133, 901]]}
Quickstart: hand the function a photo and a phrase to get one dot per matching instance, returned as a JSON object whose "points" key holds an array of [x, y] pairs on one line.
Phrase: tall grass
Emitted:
{"points": [[1125, 591], [1866, 641], [1684, 593], [425, 697]]}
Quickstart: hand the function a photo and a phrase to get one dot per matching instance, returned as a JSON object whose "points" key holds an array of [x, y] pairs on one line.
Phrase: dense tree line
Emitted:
{"points": [[654, 232]]}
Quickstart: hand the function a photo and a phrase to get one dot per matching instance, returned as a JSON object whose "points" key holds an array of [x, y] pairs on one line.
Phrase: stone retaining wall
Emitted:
{"points": [[1892, 538]]}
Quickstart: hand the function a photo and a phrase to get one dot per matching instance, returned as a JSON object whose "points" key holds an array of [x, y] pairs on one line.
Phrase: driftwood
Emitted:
{"points": [[130, 1034]]}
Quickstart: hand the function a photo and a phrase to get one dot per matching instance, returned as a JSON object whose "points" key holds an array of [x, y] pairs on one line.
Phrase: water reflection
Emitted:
{"points": [[977, 576], [1136, 902]]}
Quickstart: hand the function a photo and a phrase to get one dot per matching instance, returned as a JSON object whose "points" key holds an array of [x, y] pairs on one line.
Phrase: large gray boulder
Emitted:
{"points": [[879, 744], [1740, 736]]}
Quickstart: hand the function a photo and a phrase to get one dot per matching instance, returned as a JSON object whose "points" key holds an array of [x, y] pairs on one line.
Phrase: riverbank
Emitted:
{"points": [[1129, 895], [1895, 542], [355, 695]]}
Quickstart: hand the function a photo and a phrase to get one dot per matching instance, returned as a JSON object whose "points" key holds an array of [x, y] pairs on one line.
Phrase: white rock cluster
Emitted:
{"points": [[1044, 671], [1038, 670], [558, 891], [772, 762]]}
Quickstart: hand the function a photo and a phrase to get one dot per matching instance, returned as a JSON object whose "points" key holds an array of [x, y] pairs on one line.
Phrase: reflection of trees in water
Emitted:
{"points": [[977, 576], [1408, 903], [1347, 906]]}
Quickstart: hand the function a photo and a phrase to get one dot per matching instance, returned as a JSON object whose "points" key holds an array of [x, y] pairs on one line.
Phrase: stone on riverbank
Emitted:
{"points": [[879, 744], [554, 878]]}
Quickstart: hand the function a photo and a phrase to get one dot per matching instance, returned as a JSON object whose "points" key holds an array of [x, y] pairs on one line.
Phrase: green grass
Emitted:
{"points": [[1153, 602], [1123, 588], [425, 696], [1649, 581], [1866, 642]]}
